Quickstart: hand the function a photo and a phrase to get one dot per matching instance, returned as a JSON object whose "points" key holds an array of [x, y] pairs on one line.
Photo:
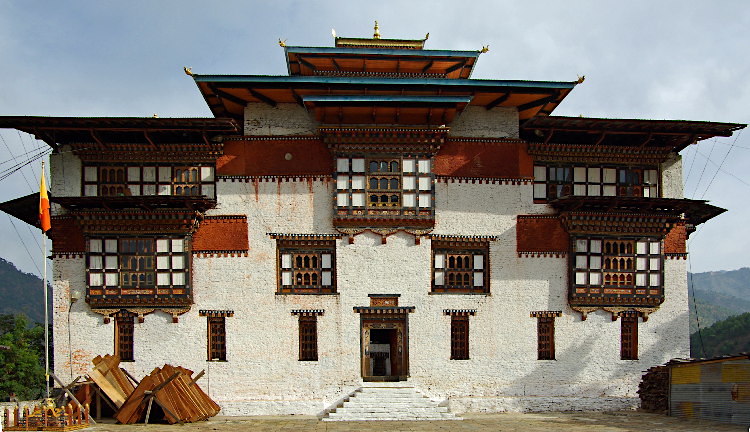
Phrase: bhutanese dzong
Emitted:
{"points": [[376, 215]]}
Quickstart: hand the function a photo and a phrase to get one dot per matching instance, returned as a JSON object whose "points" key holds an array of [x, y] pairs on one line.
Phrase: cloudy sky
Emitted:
{"points": [[642, 59]]}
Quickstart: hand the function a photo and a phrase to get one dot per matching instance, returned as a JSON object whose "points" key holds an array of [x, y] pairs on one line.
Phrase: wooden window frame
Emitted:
{"points": [[629, 337], [217, 338], [112, 262], [415, 191], [318, 264], [444, 251], [149, 180], [617, 266], [545, 337], [459, 337], [308, 337], [559, 180], [125, 336]]}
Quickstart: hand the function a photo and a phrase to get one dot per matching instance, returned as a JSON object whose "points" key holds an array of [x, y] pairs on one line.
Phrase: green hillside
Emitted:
{"points": [[731, 336], [20, 293]]}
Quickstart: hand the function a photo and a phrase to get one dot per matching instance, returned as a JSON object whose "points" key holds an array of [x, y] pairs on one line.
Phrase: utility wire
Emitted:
{"points": [[697, 185], [23, 144], [721, 164], [14, 158], [23, 243], [691, 288]]}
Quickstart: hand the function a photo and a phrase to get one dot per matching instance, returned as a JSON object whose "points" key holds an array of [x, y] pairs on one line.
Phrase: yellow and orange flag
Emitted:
{"points": [[44, 216]]}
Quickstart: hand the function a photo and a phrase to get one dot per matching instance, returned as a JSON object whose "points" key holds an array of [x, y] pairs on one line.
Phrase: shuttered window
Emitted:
{"points": [[217, 339], [459, 337], [545, 326], [308, 338], [124, 336], [629, 338]]}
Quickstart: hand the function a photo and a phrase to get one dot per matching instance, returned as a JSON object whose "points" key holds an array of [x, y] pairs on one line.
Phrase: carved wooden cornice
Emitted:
{"points": [[136, 222], [384, 233], [347, 140], [580, 153], [617, 223], [144, 153]]}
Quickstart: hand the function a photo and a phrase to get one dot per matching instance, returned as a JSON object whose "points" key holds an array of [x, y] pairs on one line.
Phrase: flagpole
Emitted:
{"points": [[46, 306]]}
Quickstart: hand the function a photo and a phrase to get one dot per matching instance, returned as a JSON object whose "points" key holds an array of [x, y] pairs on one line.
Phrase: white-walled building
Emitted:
{"points": [[375, 215]]}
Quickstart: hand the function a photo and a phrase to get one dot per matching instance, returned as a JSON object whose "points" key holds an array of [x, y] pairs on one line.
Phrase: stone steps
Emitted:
{"points": [[397, 401]]}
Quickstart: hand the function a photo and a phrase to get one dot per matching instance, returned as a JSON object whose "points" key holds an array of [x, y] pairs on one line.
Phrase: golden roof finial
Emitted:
{"points": [[484, 49], [282, 43], [376, 35], [427, 36], [581, 79], [188, 71], [156, 115]]}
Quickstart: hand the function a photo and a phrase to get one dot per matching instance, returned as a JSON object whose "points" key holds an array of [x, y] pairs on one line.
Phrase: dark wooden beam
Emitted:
{"points": [[46, 138], [455, 67], [298, 98], [336, 64], [96, 138], [647, 140], [429, 65], [150, 141], [306, 63], [549, 136], [262, 97], [537, 103], [601, 138], [498, 101], [221, 94]]}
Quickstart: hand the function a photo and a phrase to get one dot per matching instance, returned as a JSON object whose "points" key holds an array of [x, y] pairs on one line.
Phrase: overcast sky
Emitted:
{"points": [[642, 59]]}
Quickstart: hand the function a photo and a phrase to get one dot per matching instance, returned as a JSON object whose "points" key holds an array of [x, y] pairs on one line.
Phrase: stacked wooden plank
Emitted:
{"points": [[175, 391], [654, 390], [111, 379]]}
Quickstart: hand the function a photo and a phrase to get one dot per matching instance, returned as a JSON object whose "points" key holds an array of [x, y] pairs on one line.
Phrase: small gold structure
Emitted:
{"points": [[282, 43], [581, 79], [188, 71], [46, 417], [376, 35]]}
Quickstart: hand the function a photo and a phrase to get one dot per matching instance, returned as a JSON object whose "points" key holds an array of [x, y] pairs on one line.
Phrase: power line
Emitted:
{"points": [[14, 158], [23, 243], [691, 288], [704, 168], [721, 164]]}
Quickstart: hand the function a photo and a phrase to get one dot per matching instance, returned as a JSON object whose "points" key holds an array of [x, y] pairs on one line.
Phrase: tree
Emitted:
{"points": [[22, 365]]}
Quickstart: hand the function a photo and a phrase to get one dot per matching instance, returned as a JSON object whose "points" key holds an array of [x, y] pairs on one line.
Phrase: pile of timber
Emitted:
{"points": [[173, 389], [654, 390]]}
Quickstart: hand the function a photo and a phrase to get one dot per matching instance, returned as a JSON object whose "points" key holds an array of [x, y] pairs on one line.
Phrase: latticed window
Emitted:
{"points": [[395, 185], [308, 338], [631, 266], [217, 338], [629, 337], [459, 337], [545, 326], [555, 181], [129, 180], [137, 265], [307, 267], [124, 335], [460, 267]]}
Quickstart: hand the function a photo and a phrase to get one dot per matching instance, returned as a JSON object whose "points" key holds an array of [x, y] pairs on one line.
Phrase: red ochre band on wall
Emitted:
{"points": [[541, 234]]}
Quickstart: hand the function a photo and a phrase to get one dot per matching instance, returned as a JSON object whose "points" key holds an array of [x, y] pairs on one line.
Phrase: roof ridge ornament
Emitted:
{"points": [[484, 49], [376, 35], [188, 71], [581, 78], [282, 43]]}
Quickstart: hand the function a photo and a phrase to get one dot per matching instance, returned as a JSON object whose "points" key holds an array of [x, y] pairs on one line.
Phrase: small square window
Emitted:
{"points": [[358, 165], [342, 165]]}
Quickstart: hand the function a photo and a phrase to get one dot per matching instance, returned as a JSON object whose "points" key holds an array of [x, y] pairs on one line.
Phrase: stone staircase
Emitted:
{"points": [[388, 401]]}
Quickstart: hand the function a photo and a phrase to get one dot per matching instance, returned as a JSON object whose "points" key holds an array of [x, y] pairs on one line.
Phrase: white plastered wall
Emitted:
{"points": [[262, 374]]}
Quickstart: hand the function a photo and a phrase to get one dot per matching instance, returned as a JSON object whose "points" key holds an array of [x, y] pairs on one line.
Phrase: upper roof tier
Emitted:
{"points": [[380, 62], [673, 135]]}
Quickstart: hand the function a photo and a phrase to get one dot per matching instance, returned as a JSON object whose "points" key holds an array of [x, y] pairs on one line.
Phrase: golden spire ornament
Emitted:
{"points": [[376, 35]]}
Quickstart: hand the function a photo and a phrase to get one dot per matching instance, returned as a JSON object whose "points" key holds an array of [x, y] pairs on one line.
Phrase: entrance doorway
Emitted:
{"points": [[384, 347]]}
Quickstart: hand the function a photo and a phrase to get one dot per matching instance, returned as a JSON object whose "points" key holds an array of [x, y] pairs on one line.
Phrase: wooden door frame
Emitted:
{"points": [[394, 321]]}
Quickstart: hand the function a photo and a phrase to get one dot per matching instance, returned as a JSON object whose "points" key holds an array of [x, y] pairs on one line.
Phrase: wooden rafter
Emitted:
{"points": [[537, 103], [498, 101], [96, 138], [455, 67], [148, 138], [428, 66], [262, 97], [306, 63], [221, 94]]}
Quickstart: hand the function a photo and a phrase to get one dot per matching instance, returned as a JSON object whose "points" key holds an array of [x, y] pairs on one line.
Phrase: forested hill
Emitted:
{"points": [[20, 293], [719, 295], [731, 336]]}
